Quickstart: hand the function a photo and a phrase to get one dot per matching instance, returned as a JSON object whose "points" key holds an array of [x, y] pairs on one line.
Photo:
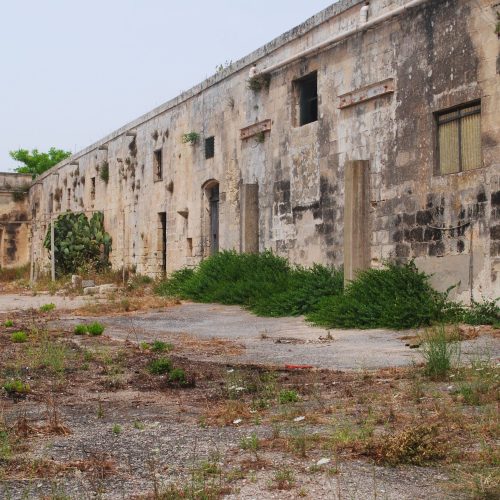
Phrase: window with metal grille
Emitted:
{"points": [[209, 147], [92, 188], [158, 165], [306, 90], [459, 139]]}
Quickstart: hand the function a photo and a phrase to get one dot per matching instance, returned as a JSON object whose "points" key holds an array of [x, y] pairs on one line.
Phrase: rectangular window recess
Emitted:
{"points": [[307, 92], [459, 139], [209, 147], [158, 165]]}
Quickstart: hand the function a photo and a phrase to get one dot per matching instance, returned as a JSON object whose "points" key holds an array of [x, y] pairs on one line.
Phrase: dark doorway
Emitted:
{"points": [[213, 198], [162, 239]]}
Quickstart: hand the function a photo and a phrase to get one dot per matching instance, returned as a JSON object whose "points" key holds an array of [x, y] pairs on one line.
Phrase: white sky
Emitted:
{"points": [[71, 71]]}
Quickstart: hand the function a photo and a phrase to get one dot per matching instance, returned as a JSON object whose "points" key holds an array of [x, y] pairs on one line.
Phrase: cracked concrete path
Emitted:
{"points": [[267, 341]]}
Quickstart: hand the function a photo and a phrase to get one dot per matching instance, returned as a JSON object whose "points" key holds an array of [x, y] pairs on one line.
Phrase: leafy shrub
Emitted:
{"points": [[80, 330], [8, 323], [19, 337], [265, 283], [159, 346], [482, 313], [45, 308], [439, 352], [95, 329], [16, 387], [398, 296], [288, 396], [159, 366], [79, 240]]}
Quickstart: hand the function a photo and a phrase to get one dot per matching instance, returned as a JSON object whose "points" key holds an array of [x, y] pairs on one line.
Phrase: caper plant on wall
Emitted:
{"points": [[190, 137], [259, 82]]}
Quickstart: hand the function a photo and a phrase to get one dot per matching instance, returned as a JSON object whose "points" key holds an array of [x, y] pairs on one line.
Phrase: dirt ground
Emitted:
{"points": [[92, 420]]}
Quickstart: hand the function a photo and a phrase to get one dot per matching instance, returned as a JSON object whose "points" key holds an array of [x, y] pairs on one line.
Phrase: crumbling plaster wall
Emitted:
{"points": [[437, 55], [14, 220]]}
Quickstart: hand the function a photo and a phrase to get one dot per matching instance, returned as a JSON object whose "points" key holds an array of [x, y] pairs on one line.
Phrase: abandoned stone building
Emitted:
{"points": [[14, 220], [369, 132]]}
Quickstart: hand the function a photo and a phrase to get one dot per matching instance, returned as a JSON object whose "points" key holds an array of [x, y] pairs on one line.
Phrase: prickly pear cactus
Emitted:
{"points": [[79, 242]]}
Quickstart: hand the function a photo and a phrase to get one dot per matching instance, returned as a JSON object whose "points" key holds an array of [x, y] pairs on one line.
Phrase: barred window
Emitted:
{"points": [[158, 165], [209, 147], [459, 139]]}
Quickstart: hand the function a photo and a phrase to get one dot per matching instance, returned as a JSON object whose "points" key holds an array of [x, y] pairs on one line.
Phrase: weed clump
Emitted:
{"points": [[482, 313], [19, 337], [159, 346], [95, 329], [439, 352], [17, 387], [45, 308], [8, 323], [398, 296], [288, 396], [416, 446], [178, 375], [159, 366], [80, 330]]}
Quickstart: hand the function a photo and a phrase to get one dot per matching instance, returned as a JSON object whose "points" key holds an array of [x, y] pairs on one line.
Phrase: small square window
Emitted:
{"points": [[459, 139], [209, 147], [158, 165], [306, 92]]}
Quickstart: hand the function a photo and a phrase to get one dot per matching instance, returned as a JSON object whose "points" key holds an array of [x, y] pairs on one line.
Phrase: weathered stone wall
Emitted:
{"points": [[431, 57], [14, 220]]}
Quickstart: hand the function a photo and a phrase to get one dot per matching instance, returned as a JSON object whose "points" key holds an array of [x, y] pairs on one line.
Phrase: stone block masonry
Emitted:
{"points": [[414, 97]]}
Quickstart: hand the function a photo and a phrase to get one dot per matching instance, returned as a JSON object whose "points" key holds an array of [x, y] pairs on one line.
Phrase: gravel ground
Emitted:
{"points": [[272, 341]]}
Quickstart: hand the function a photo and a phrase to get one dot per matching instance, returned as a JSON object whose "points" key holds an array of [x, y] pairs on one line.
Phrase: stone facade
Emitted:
{"points": [[14, 220], [275, 183]]}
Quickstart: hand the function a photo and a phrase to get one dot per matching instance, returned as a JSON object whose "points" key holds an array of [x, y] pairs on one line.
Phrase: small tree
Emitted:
{"points": [[36, 163]]}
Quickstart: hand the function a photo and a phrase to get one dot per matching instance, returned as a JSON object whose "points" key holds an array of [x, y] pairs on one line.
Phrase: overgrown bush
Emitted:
{"points": [[265, 283], [79, 240], [397, 296]]}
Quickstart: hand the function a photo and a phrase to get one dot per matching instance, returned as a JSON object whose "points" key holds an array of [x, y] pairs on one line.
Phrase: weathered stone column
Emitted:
{"points": [[356, 218]]}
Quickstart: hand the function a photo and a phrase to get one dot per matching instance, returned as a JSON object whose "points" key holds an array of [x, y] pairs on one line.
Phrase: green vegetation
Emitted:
{"points": [[265, 283], [440, 352], [95, 329], [16, 387], [117, 429], [178, 375], [45, 308], [8, 323], [190, 137], [159, 366], [19, 337], [288, 396], [397, 296], [159, 346], [80, 330], [36, 163], [79, 241]]}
